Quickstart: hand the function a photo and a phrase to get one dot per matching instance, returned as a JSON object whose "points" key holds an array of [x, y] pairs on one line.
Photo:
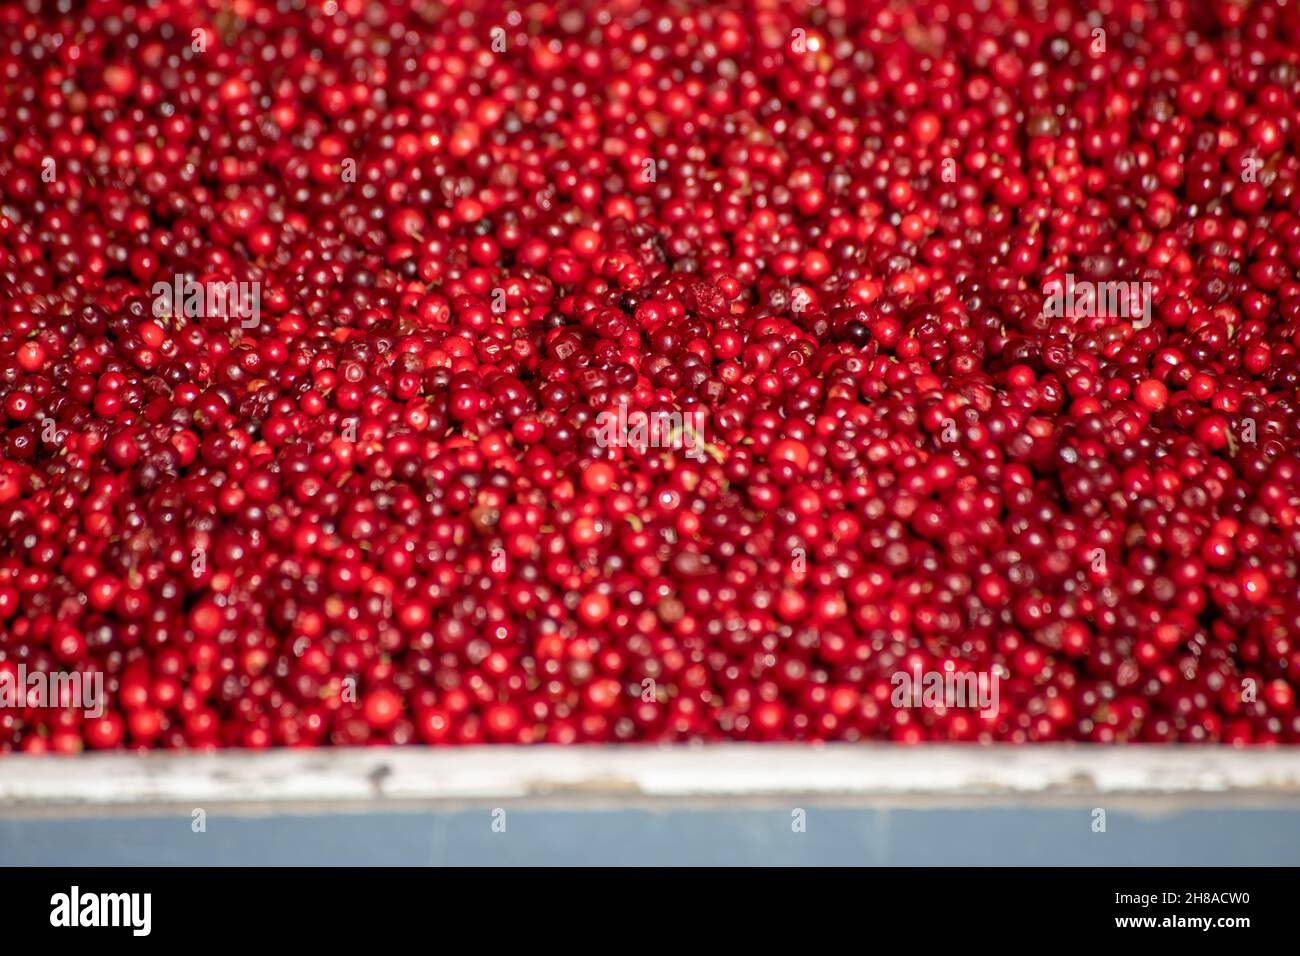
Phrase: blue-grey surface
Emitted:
{"points": [[851, 836]]}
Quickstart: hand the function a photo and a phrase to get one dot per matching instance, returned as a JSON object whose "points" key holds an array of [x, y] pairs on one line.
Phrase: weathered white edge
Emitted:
{"points": [[724, 770]]}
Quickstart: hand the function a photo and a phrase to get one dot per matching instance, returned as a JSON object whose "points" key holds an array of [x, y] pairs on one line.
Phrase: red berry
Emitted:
{"points": [[381, 708]]}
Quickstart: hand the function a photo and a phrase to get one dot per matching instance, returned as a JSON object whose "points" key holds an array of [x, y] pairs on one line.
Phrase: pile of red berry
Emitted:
{"points": [[362, 493]]}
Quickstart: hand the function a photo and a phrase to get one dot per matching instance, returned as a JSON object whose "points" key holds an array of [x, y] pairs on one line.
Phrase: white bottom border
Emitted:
{"points": [[641, 772]]}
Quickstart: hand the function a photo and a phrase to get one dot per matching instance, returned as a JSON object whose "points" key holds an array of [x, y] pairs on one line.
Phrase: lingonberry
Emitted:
{"points": [[649, 379]]}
